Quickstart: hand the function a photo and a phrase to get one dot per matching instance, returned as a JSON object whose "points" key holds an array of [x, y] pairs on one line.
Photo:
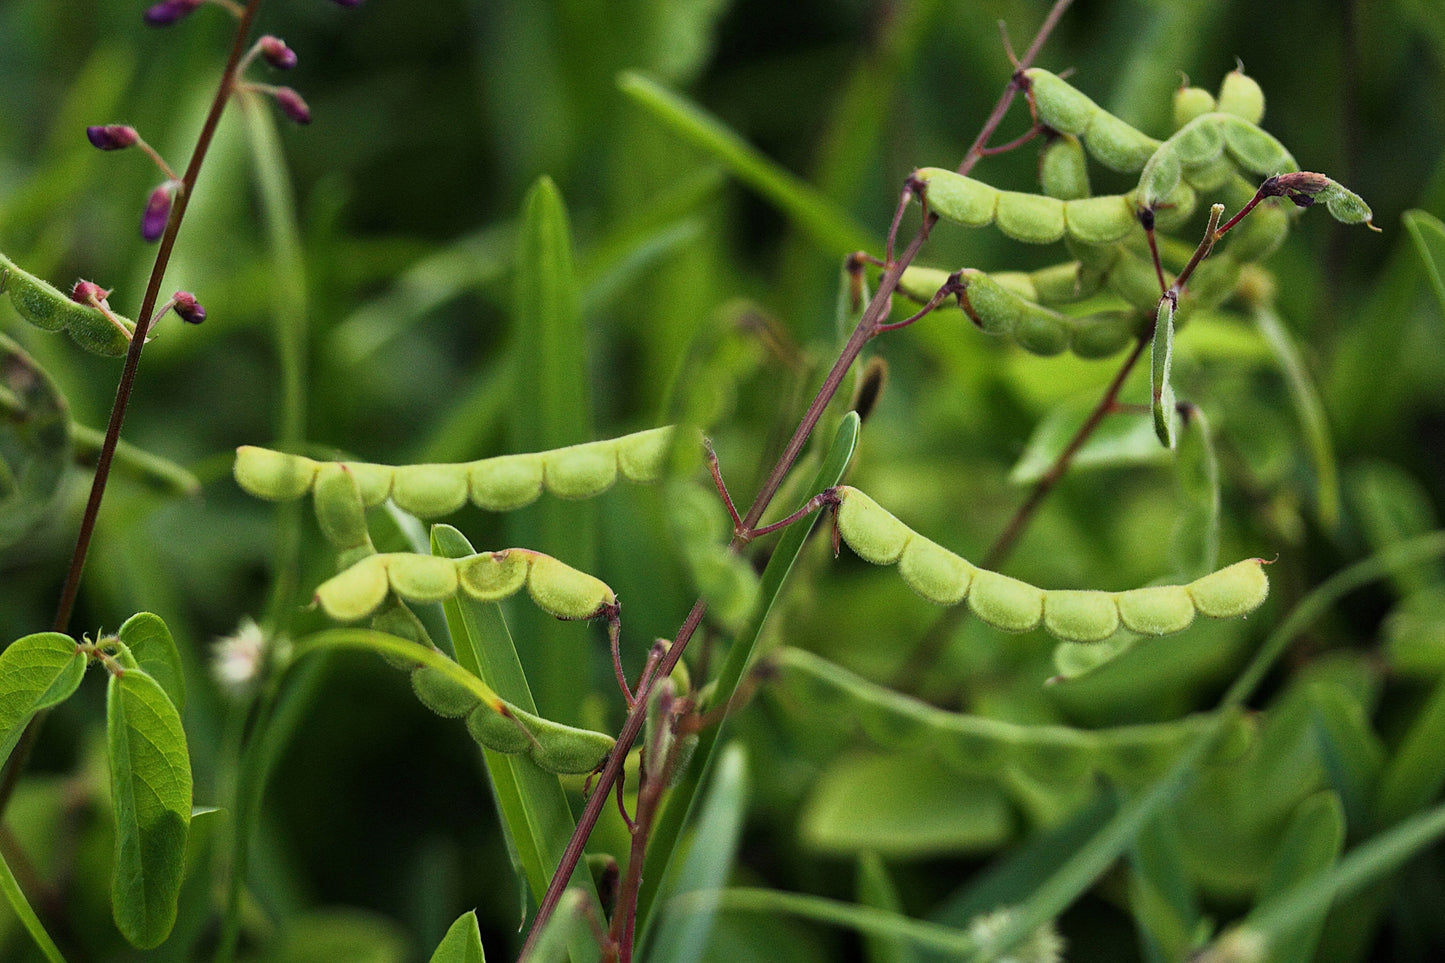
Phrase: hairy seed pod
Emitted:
{"points": [[1063, 170], [47, 308], [1259, 235], [874, 534], [1004, 602], [1100, 220], [505, 483], [956, 198], [1241, 96], [1161, 610], [442, 694], [563, 749], [934, 572], [1031, 218], [429, 491], [340, 512], [565, 592], [1117, 145], [1253, 149], [356, 592], [1058, 104], [642, 456], [493, 576], [1083, 616], [1104, 333], [494, 731], [273, 475], [1189, 103], [1231, 592], [421, 578], [580, 471]]}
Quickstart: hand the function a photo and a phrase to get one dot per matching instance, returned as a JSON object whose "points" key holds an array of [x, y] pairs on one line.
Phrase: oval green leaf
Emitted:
{"points": [[154, 649], [36, 672]]}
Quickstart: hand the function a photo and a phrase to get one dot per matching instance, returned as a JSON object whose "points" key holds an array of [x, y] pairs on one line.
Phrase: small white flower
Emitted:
{"points": [[237, 660]]}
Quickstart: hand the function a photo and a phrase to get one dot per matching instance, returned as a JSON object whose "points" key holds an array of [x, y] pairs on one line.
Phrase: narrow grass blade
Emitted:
{"points": [[1428, 233], [876, 890], [23, 911]]}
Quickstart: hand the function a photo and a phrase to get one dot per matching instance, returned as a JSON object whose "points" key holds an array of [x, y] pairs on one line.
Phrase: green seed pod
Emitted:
{"points": [[1132, 278], [1230, 592], [273, 475], [1062, 283], [1255, 150], [1041, 331], [870, 531], [1081, 616], [1160, 610], [1345, 206], [580, 471], [1058, 104], [1161, 176], [1031, 218], [1063, 171], [1199, 142], [1104, 333], [1189, 103], [493, 576], [1176, 208], [429, 491], [1005, 603], [563, 591], [394, 618], [1100, 220], [375, 481], [421, 578], [921, 283], [956, 198], [1209, 178], [563, 749], [642, 456], [1211, 284], [492, 730], [356, 592], [47, 308], [1241, 96], [442, 694], [1116, 145], [934, 572], [1018, 283], [988, 305], [339, 510], [505, 483]]}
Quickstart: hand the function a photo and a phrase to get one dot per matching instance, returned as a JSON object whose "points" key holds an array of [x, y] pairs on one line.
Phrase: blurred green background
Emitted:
{"points": [[431, 121]]}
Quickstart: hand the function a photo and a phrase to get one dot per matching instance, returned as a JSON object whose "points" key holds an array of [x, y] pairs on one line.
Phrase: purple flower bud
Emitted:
{"points": [[187, 308], [88, 293], [167, 12], [112, 136], [292, 105], [157, 213], [347, 3], [276, 53]]}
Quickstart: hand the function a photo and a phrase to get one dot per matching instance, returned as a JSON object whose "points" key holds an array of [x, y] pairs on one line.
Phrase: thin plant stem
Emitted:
{"points": [[123, 390], [866, 330]]}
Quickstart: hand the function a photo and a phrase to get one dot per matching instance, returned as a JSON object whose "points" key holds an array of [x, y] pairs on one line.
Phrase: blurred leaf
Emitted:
{"points": [[832, 229], [1428, 233], [1121, 439], [35, 445], [1196, 471], [682, 936], [1161, 894], [1312, 842], [865, 919], [1415, 634], [331, 935], [463, 942], [150, 786], [1414, 774], [22, 909], [1348, 747], [897, 805], [1392, 505], [876, 890], [553, 409], [566, 927], [155, 652], [162, 474], [1310, 411], [36, 672]]}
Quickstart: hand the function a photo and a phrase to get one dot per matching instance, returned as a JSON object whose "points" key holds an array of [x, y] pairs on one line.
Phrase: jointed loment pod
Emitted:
{"points": [[496, 484], [1007, 603], [44, 306]]}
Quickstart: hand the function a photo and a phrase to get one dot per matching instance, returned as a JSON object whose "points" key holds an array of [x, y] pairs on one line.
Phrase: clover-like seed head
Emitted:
{"points": [[276, 53], [187, 308], [112, 136], [167, 12]]}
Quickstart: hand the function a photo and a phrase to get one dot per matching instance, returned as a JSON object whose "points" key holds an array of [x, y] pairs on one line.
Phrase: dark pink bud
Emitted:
{"points": [[167, 12], [187, 308], [88, 293], [157, 213], [112, 136], [292, 105], [276, 53]]}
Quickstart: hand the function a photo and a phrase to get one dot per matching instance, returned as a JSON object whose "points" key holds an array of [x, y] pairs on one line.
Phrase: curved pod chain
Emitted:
{"points": [[50, 309], [495, 484], [1014, 606]]}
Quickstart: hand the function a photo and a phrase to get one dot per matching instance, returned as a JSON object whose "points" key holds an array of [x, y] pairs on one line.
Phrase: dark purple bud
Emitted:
{"points": [[347, 3], [88, 293], [276, 53], [112, 136], [292, 105], [158, 211], [167, 12], [187, 308]]}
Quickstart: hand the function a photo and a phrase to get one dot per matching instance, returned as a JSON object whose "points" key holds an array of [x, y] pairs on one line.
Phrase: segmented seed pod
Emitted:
{"points": [[1189, 103], [1242, 96], [1063, 169]]}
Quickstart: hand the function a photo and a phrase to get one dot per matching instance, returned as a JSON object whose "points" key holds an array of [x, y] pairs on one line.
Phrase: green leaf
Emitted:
{"points": [[36, 672], [155, 652], [554, 410], [1312, 842], [900, 805], [463, 942], [333, 935], [1415, 772], [1196, 471], [15, 896], [150, 785], [682, 937], [567, 926], [832, 229], [533, 806], [1161, 893], [1310, 411], [669, 826], [1120, 440], [1161, 360], [35, 444], [877, 890], [1390, 506], [1428, 233]]}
